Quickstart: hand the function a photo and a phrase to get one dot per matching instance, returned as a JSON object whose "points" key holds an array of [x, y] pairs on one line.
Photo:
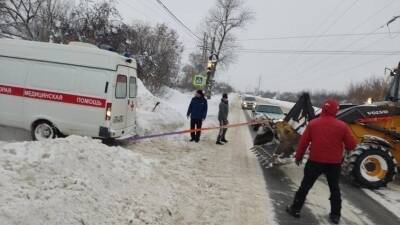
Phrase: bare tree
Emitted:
{"points": [[18, 18], [226, 17], [51, 15], [375, 88]]}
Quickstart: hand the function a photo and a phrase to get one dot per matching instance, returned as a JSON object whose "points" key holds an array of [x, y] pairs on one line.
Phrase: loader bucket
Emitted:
{"points": [[288, 139], [285, 135]]}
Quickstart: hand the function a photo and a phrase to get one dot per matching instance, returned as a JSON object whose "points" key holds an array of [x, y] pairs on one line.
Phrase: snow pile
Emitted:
{"points": [[180, 101], [79, 181], [164, 118]]}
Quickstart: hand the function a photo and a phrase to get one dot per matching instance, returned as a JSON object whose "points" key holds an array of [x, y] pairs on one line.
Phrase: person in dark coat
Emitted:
{"points": [[197, 112], [223, 119], [325, 137]]}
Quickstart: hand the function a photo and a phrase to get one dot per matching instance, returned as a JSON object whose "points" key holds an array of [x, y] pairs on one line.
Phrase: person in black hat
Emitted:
{"points": [[223, 119], [197, 112]]}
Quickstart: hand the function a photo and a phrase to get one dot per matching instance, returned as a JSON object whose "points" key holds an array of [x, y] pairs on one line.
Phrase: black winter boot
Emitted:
{"points": [[219, 143], [334, 218], [292, 212]]}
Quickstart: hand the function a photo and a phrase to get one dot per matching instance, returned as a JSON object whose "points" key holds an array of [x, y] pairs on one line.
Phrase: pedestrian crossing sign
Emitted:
{"points": [[199, 81]]}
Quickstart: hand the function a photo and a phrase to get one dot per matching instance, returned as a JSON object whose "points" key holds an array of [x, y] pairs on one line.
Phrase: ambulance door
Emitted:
{"points": [[120, 100], [132, 102]]}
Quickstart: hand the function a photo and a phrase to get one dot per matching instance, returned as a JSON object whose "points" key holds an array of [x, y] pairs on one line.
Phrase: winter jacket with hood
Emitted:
{"points": [[223, 110], [326, 136], [198, 108]]}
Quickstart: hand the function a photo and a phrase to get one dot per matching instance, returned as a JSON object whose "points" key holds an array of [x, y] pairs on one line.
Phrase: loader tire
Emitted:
{"points": [[371, 166]]}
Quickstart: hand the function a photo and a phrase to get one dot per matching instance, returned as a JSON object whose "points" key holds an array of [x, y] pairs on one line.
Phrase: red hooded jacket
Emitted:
{"points": [[326, 136]]}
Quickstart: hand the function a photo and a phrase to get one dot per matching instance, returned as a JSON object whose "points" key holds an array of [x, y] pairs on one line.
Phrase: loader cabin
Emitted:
{"points": [[55, 89]]}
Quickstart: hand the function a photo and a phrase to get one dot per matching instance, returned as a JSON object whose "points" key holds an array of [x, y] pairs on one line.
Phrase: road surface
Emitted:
{"points": [[358, 207]]}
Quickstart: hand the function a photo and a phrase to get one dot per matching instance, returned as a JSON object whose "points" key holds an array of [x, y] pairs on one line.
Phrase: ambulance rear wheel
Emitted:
{"points": [[43, 130]]}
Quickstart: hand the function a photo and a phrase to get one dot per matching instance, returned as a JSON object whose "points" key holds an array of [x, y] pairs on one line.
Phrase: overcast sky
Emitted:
{"points": [[281, 18]]}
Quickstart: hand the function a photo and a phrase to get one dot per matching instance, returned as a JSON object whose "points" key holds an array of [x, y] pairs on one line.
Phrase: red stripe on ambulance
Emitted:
{"points": [[53, 96]]}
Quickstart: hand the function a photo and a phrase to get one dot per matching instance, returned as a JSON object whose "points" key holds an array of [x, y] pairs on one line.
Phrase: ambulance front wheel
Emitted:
{"points": [[43, 130]]}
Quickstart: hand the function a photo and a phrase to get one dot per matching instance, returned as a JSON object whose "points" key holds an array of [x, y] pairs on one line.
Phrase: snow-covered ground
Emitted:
{"points": [[165, 116], [79, 181]]}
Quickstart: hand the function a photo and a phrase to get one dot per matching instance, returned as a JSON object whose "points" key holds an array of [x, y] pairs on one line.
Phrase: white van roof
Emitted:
{"points": [[75, 54]]}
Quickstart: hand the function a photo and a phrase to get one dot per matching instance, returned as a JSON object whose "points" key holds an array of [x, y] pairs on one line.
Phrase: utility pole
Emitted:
{"points": [[204, 48], [211, 66], [259, 85]]}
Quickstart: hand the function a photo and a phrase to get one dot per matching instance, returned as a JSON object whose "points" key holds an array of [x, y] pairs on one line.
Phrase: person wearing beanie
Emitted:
{"points": [[197, 112], [325, 138], [223, 119]]}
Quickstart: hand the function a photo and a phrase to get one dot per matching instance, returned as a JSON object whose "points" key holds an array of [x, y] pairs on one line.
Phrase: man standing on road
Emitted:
{"points": [[325, 136], [197, 113], [223, 119]]}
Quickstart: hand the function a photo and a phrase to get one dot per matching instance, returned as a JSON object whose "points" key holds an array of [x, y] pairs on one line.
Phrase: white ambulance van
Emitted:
{"points": [[54, 89]]}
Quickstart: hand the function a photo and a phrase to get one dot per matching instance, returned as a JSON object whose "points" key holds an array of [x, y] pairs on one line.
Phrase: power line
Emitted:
{"points": [[155, 11], [331, 25], [179, 21], [318, 27], [379, 58], [373, 15], [319, 62], [317, 52], [314, 66], [317, 36]]}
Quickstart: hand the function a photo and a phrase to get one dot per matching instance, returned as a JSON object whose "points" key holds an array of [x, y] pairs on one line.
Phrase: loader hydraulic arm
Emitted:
{"points": [[303, 109]]}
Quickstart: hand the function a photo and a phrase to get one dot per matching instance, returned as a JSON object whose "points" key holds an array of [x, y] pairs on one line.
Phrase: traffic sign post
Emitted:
{"points": [[199, 81]]}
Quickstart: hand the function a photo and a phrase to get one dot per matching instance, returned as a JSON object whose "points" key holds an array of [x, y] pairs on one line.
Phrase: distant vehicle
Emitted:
{"points": [[54, 90], [249, 102], [267, 111]]}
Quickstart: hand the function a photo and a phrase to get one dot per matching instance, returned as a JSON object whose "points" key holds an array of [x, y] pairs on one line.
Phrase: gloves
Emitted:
{"points": [[299, 162]]}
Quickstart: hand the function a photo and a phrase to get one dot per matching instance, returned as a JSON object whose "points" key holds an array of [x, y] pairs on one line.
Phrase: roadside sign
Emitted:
{"points": [[199, 81]]}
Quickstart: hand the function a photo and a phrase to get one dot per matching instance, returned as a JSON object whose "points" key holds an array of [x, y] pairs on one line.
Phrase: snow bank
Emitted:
{"points": [[80, 181], [164, 118], [180, 101]]}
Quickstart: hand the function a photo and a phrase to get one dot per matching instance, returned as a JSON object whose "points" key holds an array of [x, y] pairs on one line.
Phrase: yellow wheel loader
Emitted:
{"points": [[376, 126]]}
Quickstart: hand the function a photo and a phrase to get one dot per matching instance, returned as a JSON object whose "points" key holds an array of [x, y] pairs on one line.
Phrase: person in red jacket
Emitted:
{"points": [[325, 138]]}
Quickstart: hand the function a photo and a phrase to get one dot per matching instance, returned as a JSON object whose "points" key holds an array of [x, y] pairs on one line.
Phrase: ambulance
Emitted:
{"points": [[54, 90]]}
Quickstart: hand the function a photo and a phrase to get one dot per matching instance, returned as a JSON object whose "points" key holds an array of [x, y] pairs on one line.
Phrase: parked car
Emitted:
{"points": [[267, 111], [54, 89], [249, 102]]}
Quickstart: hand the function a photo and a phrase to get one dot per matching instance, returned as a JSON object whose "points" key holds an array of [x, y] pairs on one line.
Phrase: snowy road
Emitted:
{"points": [[358, 207], [212, 184]]}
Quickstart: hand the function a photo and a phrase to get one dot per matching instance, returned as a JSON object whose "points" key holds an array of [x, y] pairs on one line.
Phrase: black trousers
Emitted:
{"points": [[312, 171], [222, 131], [196, 124]]}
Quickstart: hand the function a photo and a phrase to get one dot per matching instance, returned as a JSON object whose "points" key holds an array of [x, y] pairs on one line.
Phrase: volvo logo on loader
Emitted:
{"points": [[377, 113]]}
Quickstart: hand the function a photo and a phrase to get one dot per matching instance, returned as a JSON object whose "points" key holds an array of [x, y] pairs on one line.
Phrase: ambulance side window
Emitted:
{"points": [[132, 87], [121, 87]]}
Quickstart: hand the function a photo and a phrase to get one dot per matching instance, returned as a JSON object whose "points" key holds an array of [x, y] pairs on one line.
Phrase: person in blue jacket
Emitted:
{"points": [[197, 113]]}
